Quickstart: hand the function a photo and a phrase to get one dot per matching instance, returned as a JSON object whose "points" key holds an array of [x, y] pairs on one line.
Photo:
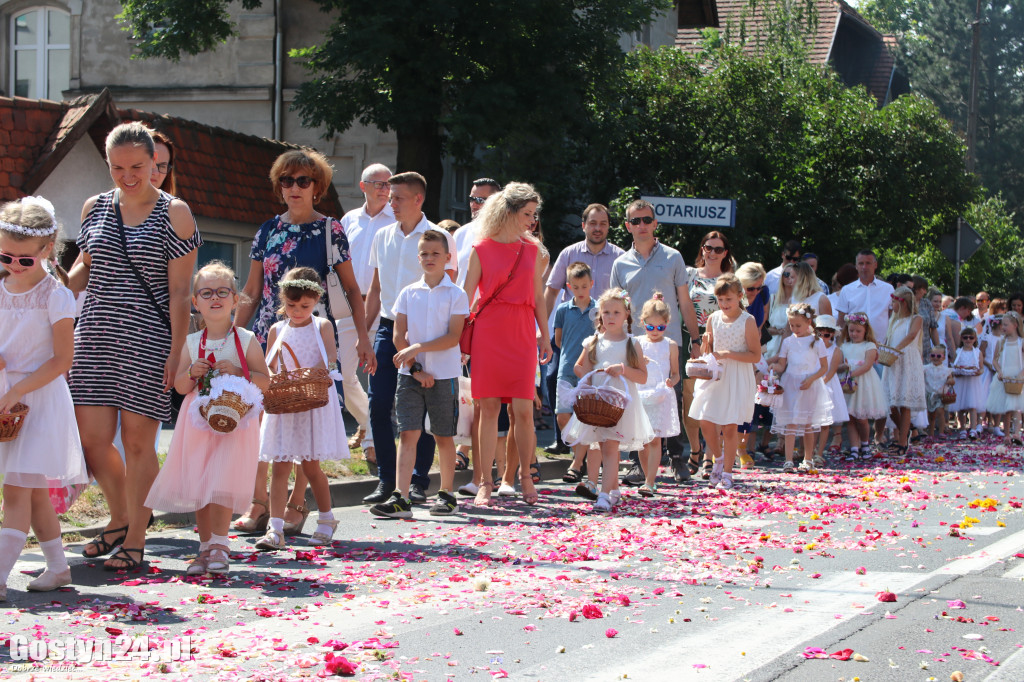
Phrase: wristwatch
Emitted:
{"points": [[415, 367]]}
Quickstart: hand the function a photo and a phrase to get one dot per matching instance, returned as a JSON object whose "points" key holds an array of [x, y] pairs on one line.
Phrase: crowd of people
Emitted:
{"points": [[703, 364]]}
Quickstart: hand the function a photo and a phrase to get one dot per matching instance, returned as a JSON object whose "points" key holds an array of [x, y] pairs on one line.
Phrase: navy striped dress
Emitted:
{"points": [[121, 342]]}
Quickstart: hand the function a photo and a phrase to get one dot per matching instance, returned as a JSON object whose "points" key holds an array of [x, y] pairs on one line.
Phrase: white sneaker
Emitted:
{"points": [[603, 504], [726, 483], [615, 497], [998, 432], [506, 491], [805, 465], [469, 490]]}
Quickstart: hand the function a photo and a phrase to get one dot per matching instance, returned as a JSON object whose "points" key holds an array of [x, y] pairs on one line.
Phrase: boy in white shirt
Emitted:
{"points": [[429, 316]]}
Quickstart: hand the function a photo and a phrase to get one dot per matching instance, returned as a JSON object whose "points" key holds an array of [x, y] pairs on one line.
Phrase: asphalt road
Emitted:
{"points": [[694, 585]]}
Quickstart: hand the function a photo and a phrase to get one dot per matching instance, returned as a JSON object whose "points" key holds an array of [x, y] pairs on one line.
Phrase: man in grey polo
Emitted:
{"points": [[598, 253], [648, 267]]}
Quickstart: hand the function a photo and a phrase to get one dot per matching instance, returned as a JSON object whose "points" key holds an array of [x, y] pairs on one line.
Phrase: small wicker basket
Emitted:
{"points": [[887, 355], [1013, 387], [225, 412], [849, 385], [600, 406], [10, 423], [296, 390], [948, 398], [698, 369]]}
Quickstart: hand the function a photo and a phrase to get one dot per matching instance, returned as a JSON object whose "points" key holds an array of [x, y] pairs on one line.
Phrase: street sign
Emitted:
{"points": [[970, 242], [691, 211]]}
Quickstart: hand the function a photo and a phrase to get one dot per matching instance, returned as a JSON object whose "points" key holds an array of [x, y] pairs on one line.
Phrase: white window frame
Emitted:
{"points": [[42, 48]]}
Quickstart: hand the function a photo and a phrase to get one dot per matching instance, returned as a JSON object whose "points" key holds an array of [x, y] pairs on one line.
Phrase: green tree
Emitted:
{"points": [[803, 155], [447, 76]]}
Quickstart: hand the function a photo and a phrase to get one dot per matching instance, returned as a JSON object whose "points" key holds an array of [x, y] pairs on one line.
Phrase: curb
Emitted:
{"points": [[346, 493]]}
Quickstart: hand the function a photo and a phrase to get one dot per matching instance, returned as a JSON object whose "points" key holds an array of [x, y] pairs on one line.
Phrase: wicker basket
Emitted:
{"points": [[296, 390], [600, 406], [224, 413], [948, 398], [1013, 387], [887, 355], [849, 385], [10, 423], [698, 369]]}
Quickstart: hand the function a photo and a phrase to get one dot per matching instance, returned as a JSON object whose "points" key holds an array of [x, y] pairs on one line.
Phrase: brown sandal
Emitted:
{"points": [[296, 526], [247, 524]]}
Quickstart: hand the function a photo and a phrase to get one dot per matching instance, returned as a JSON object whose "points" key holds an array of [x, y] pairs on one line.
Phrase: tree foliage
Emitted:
{"points": [[803, 155], [447, 76]]}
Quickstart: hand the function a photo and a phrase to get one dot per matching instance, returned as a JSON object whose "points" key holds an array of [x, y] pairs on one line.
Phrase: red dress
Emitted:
{"points": [[504, 352]]}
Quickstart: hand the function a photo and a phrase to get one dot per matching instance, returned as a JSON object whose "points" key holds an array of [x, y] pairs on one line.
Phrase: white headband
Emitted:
{"points": [[42, 232]]}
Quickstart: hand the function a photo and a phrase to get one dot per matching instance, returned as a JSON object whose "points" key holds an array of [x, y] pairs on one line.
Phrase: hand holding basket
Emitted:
{"points": [[600, 406], [10, 423], [296, 390]]}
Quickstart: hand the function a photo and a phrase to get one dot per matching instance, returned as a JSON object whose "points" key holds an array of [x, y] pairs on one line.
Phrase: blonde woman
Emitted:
{"points": [[778, 327], [807, 290]]}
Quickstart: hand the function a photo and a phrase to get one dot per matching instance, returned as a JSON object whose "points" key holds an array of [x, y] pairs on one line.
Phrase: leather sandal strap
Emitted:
{"points": [[297, 507], [264, 504]]}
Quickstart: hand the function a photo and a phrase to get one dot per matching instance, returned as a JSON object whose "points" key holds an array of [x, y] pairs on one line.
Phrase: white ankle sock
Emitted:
{"points": [[321, 527], [53, 550], [277, 525], [12, 541], [220, 540], [203, 546]]}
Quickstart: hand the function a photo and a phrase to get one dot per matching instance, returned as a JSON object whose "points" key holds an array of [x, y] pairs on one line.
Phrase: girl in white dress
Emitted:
{"points": [[970, 394], [37, 318], [805, 406], [868, 402], [614, 352], [657, 396], [827, 329], [938, 379], [310, 437], [988, 339], [722, 405], [1009, 365], [904, 380]]}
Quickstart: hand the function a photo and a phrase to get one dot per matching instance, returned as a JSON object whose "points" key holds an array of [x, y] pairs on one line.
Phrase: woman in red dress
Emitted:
{"points": [[512, 328]]}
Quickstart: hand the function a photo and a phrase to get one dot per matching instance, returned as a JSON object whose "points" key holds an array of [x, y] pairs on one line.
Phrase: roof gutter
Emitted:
{"points": [[278, 68]]}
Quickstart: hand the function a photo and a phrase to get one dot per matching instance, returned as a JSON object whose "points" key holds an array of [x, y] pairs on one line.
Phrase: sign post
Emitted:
{"points": [[958, 247], [690, 211]]}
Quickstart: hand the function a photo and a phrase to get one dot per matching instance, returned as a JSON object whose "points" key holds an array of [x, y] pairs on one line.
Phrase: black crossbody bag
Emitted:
{"points": [[135, 270]]}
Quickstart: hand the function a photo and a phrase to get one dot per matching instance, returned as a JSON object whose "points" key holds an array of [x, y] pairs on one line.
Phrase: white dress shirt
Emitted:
{"points": [[873, 299], [429, 312], [360, 228], [396, 257], [464, 237]]}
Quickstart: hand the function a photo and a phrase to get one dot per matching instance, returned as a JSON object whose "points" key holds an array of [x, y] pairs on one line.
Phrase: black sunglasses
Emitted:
{"points": [[303, 181], [790, 258], [829, 334], [477, 200], [646, 220], [715, 249], [751, 290]]}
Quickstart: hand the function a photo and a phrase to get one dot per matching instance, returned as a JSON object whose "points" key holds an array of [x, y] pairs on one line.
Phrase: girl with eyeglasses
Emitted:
{"points": [[658, 398], [208, 472], [904, 379], [938, 381]]}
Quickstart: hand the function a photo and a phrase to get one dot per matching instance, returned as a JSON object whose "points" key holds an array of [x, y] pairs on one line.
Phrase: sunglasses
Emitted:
{"points": [[791, 258], [752, 290], [219, 292], [936, 356], [659, 327], [303, 181], [23, 261], [477, 200], [646, 220], [714, 249], [826, 334]]}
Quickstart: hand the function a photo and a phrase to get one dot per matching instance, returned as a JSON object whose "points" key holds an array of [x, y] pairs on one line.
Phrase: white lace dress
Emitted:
{"points": [[659, 400], [801, 410], [47, 452], [316, 434], [904, 380], [1011, 362], [730, 399], [633, 431], [835, 391], [970, 390], [869, 400]]}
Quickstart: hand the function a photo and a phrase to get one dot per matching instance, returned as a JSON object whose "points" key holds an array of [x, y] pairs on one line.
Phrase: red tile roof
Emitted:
{"points": [[220, 173], [881, 76]]}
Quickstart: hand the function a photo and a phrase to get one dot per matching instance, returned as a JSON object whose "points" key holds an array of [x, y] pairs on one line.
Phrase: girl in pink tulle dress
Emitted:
{"points": [[208, 471]]}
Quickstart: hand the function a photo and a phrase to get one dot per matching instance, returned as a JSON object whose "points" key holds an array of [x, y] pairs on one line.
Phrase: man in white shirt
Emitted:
{"points": [[394, 257], [465, 236], [360, 225]]}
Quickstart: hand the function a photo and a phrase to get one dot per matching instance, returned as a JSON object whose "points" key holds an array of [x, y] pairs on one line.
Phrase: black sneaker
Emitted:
{"points": [[446, 504], [680, 472], [635, 476], [416, 494], [382, 493], [397, 507]]}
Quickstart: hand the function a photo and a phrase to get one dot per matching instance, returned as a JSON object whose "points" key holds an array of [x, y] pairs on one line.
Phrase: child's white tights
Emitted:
{"points": [[12, 541]]}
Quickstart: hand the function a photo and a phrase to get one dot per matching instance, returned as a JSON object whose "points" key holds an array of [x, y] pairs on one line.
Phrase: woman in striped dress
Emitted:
{"points": [[130, 333]]}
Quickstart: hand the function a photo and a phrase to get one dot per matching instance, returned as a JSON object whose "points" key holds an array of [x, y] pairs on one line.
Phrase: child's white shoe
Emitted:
{"points": [[615, 497], [716, 472], [603, 504], [50, 580], [273, 540], [726, 483], [320, 538]]}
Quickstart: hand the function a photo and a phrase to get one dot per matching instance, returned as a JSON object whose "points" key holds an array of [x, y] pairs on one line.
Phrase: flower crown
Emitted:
{"points": [[304, 284], [28, 231], [857, 318]]}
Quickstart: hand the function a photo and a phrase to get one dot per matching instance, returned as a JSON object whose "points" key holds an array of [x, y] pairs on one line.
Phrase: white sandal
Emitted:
{"points": [[271, 541], [319, 539], [218, 560]]}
